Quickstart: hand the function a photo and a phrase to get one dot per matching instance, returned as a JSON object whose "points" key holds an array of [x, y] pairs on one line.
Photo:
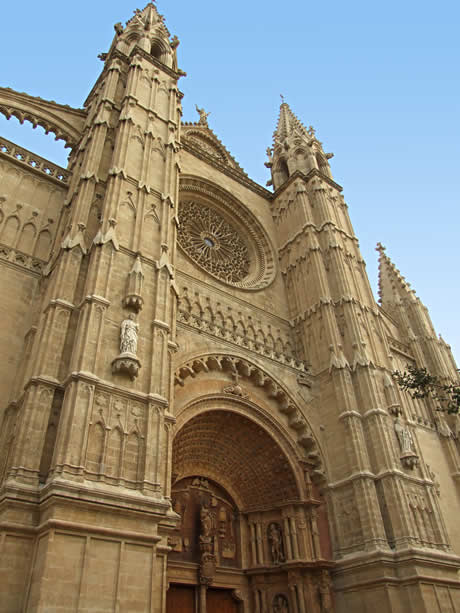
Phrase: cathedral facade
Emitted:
{"points": [[198, 410]]}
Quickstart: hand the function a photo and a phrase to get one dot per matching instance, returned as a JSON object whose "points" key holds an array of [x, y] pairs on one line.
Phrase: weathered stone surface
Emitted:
{"points": [[196, 378]]}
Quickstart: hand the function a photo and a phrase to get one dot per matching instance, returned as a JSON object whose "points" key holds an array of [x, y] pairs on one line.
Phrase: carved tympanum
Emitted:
{"points": [[213, 242]]}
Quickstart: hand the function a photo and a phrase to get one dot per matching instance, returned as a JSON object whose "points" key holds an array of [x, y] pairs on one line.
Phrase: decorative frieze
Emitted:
{"points": [[240, 328], [21, 259]]}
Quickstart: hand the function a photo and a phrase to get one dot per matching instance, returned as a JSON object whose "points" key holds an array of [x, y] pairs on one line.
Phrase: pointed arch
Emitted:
{"points": [[43, 245], [233, 365], [113, 452], [280, 172], [27, 238], [10, 230], [126, 222], [132, 456], [95, 447]]}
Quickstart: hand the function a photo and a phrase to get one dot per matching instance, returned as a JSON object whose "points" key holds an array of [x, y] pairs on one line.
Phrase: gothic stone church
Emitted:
{"points": [[198, 413]]}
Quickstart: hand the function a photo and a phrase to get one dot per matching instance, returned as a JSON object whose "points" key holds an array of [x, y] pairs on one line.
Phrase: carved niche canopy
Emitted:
{"points": [[222, 236]]}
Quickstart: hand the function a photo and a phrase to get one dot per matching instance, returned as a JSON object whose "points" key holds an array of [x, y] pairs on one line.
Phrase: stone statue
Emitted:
{"points": [[276, 546], [128, 335], [118, 28], [404, 437], [325, 592], [280, 604], [206, 522], [174, 42], [203, 116]]}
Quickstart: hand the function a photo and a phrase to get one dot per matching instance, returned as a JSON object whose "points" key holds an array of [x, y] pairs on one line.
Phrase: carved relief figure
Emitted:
{"points": [[276, 543], [325, 592], [280, 604], [128, 335]]}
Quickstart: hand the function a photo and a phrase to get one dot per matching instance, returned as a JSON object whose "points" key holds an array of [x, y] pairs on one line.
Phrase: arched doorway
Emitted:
{"points": [[253, 534]]}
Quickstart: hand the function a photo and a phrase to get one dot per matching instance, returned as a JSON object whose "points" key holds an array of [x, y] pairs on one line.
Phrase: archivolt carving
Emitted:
{"points": [[255, 263], [63, 121], [241, 368]]}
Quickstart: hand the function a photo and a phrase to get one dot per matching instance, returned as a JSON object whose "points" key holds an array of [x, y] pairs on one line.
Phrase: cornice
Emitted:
{"points": [[318, 229]]}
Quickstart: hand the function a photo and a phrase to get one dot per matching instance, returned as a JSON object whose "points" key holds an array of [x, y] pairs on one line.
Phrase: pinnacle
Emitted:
{"points": [[392, 284], [148, 17]]}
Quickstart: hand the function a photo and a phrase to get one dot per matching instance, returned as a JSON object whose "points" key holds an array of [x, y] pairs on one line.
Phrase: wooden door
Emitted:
{"points": [[220, 601], [180, 599]]}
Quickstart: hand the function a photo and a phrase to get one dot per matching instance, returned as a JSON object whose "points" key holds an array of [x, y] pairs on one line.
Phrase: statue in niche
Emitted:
{"points": [[206, 522], [280, 604], [128, 335], [276, 543], [325, 592], [409, 458], [404, 438]]}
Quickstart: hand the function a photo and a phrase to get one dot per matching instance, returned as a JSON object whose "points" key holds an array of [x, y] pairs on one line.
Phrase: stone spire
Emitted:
{"points": [[393, 287], [295, 149], [288, 125]]}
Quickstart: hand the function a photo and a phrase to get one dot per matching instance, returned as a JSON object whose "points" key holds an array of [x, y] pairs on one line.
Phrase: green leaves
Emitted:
{"points": [[421, 384]]}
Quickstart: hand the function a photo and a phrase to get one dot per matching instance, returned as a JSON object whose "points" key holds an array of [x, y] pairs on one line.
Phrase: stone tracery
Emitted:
{"points": [[213, 242], [228, 241]]}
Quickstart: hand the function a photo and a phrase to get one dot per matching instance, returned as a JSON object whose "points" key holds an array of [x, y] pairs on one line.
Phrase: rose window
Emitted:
{"points": [[213, 242]]}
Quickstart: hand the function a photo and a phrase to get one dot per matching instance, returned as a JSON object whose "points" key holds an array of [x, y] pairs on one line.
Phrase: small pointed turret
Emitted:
{"points": [[295, 149], [146, 30]]}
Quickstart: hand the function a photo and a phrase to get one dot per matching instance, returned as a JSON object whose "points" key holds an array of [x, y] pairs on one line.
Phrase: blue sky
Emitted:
{"points": [[378, 81]]}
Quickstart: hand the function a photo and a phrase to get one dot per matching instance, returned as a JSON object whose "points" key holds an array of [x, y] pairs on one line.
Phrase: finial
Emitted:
{"points": [[381, 248], [282, 98]]}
